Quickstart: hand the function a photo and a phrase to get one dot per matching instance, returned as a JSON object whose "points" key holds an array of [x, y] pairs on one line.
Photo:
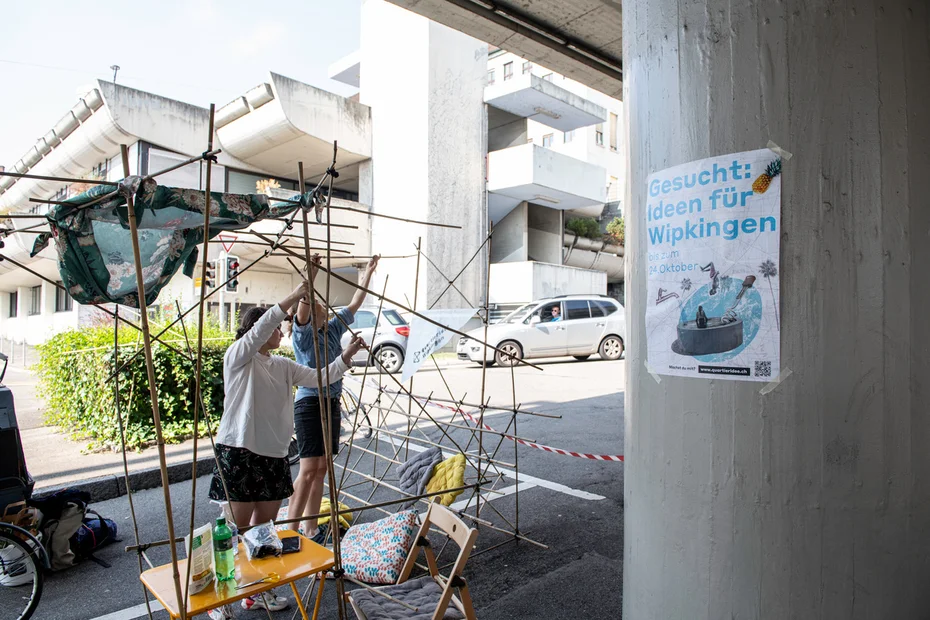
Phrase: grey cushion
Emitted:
{"points": [[423, 593], [416, 472]]}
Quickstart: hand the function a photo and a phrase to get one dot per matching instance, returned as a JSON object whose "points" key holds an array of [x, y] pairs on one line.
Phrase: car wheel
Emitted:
{"points": [[611, 348], [391, 358], [581, 358], [509, 353]]}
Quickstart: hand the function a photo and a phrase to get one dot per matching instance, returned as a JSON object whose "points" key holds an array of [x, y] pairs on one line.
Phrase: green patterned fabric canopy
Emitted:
{"points": [[94, 245]]}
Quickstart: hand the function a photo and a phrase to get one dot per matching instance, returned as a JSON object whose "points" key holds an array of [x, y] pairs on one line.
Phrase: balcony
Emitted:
{"points": [[530, 96], [531, 173]]}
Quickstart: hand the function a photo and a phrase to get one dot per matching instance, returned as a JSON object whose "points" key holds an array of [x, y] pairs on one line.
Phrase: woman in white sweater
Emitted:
{"points": [[258, 413]]}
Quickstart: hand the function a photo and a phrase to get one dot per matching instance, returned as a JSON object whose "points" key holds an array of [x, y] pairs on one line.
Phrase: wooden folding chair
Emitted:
{"points": [[417, 597]]}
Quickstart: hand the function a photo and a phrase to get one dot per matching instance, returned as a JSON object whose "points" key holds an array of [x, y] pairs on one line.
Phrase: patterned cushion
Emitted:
{"points": [[375, 552]]}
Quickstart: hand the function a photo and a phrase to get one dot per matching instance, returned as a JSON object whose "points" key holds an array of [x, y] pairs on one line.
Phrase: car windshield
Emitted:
{"points": [[518, 315]]}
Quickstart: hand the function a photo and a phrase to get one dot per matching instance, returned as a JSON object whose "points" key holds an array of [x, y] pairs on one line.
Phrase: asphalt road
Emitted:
{"points": [[572, 505]]}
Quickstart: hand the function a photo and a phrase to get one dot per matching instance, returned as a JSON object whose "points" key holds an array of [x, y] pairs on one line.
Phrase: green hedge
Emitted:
{"points": [[584, 227], [74, 367]]}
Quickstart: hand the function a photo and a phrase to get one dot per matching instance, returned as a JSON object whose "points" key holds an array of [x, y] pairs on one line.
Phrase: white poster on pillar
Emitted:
{"points": [[713, 229], [426, 338]]}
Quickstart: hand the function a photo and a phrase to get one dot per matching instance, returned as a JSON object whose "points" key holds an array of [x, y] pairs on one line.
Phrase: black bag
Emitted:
{"points": [[94, 533]]}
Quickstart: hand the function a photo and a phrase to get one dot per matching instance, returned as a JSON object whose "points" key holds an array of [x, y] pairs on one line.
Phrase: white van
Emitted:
{"points": [[568, 325]]}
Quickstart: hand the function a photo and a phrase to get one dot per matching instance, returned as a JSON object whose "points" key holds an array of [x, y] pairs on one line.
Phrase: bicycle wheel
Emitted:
{"points": [[20, 572]]}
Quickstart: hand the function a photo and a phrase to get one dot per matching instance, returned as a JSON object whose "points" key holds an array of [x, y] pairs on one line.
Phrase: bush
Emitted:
{"points": [[616, 230], [74, 368], [584, 227]]}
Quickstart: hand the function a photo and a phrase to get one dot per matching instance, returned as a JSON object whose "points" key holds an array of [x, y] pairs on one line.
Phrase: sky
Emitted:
{"points": [[196, 51]]}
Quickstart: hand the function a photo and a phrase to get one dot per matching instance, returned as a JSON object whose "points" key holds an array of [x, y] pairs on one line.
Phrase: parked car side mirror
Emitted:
{"points": [[535, 319]]}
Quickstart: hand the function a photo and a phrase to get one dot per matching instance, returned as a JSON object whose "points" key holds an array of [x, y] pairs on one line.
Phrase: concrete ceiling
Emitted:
{"points": [[577, 38]]}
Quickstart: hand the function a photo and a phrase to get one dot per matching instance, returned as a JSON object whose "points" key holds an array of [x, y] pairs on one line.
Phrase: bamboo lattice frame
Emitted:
{"points": [[484, 460]]}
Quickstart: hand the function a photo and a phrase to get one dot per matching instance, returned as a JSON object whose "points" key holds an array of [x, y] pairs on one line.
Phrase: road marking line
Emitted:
{"points": [[495, 494], [131, 613]]}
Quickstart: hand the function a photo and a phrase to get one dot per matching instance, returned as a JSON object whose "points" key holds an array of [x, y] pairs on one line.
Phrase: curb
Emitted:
{"points": [[113, 486]]}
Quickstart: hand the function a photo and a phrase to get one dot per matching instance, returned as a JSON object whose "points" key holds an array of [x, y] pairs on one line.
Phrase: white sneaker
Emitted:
{"points": [[266, 600], [221, 613]]}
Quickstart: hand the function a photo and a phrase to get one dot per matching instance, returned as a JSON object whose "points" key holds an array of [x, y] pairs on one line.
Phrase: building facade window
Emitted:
{"points": [[63, 300], [490, 76], [527, 66], [547, 140], [599, 134], [35, 300], [14, 305], [508, 70], [613, 131], [548, 77], [569, 135]]}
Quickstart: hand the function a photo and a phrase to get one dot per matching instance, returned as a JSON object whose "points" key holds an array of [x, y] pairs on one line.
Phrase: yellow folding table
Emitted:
{"points": [[312, 559]]}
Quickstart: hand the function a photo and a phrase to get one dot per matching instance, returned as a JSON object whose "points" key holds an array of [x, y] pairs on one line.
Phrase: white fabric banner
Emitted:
{"points": [[712, 299], [426, 338]]}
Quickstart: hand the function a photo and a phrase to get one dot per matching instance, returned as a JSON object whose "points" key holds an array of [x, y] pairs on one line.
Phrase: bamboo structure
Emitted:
{"points": [[425, 421]]}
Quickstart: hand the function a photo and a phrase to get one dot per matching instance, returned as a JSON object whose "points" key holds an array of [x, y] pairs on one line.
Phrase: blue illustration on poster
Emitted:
{"points": [[749, 310]]}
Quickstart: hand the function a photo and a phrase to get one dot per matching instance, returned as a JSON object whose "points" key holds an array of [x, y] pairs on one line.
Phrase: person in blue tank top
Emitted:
{"points": [[310, 322]]}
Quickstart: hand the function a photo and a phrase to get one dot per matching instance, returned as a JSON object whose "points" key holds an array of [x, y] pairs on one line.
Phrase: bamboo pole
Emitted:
{"points": [[484, 357], [40, 177], [249, 232], [398, 219], [323, 395], [198, 364], [462, 270], [416, 291], [327, 435], [122, 437], [153, 390]]}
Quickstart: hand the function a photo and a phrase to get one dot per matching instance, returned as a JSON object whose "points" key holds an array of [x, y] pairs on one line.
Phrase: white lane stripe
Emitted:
{"points": [[131, 613], [496, 494]]}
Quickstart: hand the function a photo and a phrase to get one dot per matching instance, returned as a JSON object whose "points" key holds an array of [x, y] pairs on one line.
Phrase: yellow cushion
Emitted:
{"points": [[344, 519], [447, 475]]}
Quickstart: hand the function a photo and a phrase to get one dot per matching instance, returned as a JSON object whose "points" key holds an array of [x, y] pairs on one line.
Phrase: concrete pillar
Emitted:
{"points": [[811, 501]]}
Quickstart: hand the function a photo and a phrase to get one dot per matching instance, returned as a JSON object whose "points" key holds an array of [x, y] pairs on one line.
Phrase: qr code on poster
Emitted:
{"points": [[763, 369]]}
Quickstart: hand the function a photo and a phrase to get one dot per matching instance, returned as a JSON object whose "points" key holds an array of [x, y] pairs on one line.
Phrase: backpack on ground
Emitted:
{"points": [[93, 533], [62, 515]]}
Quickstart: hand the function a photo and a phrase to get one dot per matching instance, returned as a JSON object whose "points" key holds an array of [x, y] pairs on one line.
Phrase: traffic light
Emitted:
{"points": [[232, 273], [209, 280]]}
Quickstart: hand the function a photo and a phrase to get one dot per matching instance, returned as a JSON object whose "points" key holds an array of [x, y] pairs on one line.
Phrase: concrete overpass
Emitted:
{"points": [[811, 500]]}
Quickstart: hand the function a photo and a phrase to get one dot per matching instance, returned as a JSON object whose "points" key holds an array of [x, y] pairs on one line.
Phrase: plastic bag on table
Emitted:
{"points": [[262, 541]]}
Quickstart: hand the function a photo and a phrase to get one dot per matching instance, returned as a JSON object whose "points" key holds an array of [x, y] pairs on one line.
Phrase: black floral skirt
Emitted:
{"points": [[250, 477]]}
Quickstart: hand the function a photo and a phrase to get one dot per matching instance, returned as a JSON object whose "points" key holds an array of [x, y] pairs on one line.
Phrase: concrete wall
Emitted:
{"points": [[544, 234], [424, 83], [812, 500], [510, 237], [509, 134], [457, 144], [528, 281]]}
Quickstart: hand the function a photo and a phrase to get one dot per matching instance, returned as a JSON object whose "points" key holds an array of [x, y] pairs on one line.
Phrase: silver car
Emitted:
{"points": [[388, 344], [569, 325]]}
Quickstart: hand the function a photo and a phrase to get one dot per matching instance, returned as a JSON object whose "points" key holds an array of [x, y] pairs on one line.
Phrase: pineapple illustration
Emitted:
{"points": [[761, 184]]}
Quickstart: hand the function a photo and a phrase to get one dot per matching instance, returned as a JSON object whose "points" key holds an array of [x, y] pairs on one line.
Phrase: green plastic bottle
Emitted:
{"points": [[223, 555]]}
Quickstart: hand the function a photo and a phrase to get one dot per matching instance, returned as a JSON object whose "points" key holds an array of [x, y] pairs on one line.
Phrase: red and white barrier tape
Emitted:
{"points": [[538, 446]]}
